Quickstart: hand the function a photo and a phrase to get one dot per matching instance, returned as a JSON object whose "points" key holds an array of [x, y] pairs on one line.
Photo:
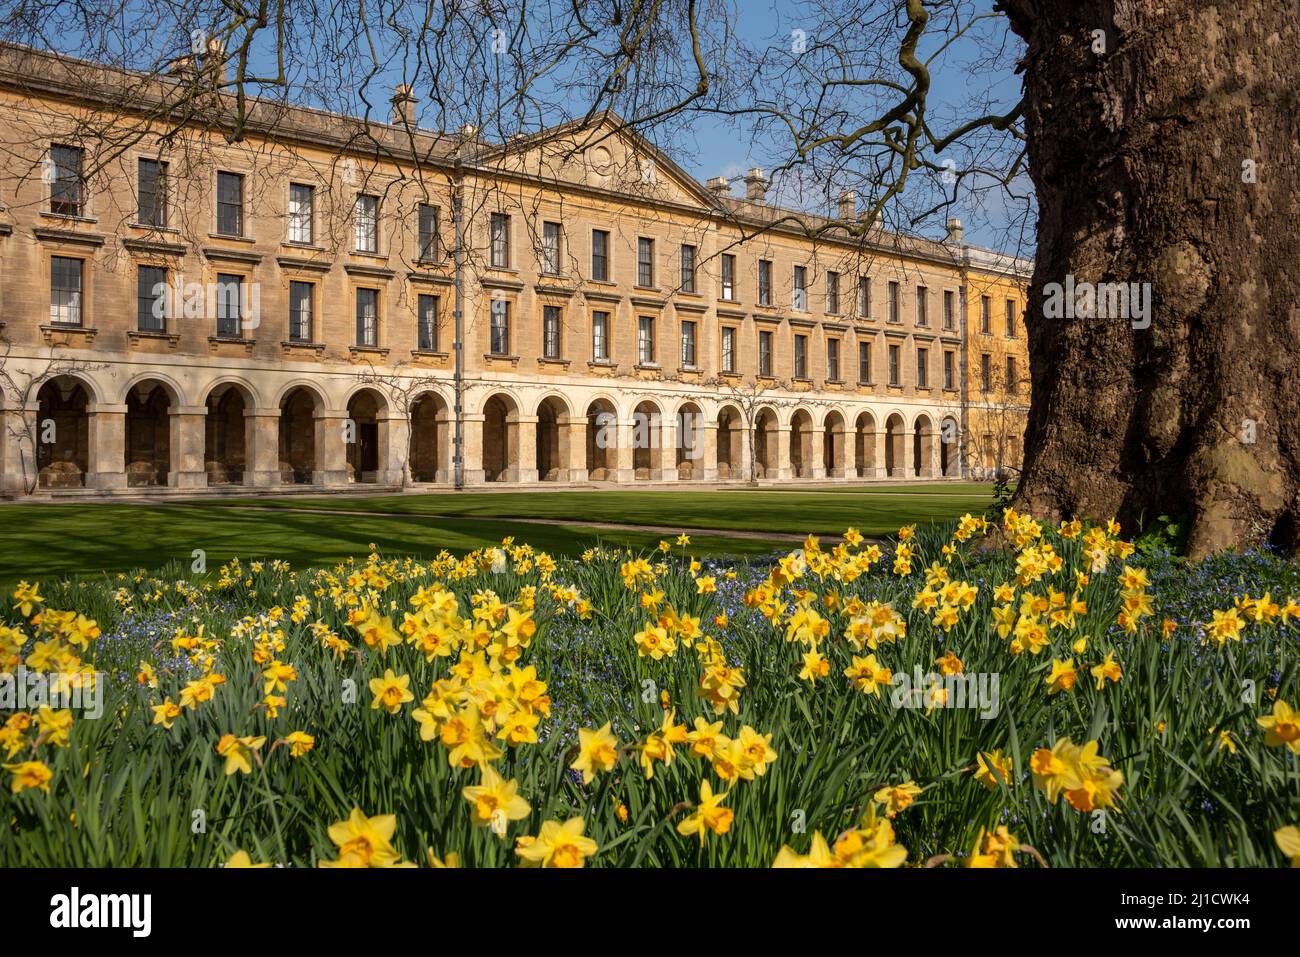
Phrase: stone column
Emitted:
{"points": [[848, 464], [394, 446], [262, 447], [667, 452], [624, 472], [188, 425], [472, 452], [745, 437], [445, 436], [819, 468], [573, 441], [784, 468], [521, 433], [903, 462], [20, 433], [878, 440], [107, 446], [707, 435], [850, 453], [954, 451], [331, 449], [936, 453]]}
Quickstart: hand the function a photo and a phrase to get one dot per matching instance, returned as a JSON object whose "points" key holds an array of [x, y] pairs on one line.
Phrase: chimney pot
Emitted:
{"points": [[848, 204], [756, 185], [955, 232], [719, 186]]}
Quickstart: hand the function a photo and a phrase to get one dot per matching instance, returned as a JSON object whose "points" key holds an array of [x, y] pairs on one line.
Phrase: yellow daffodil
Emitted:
{"points": [[29, 774], [709, 815], [1288, 842], [597, 752], [365, 842], [1108, 669], [557, 845], [1282, 727], [239, 752], [240, 859], [1062, 677], [391, 691], [990, 762], [494, 801], [897, 798], [166, 713], [994, 849]]}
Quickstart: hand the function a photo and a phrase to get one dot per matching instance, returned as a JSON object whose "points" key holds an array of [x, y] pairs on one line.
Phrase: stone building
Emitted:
{"points": [[184, 311]]}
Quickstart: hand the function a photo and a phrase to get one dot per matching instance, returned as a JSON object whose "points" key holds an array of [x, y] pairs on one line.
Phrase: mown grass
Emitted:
{"points": [[874, 510], [44, 540]]}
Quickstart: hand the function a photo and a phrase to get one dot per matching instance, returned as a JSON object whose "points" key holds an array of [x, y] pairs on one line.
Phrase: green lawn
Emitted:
{"points": [[52, 540], [873, 510]]}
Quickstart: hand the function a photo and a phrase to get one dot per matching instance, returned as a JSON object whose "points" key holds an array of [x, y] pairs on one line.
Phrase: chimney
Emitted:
{"points": [[183, 67], [755, 186], [719, 186], [214, 61], [848, 204], [403, 106], [955, 232]]}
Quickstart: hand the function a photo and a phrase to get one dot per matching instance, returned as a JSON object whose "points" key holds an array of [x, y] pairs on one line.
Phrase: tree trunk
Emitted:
{"points": [[1168, 159]]}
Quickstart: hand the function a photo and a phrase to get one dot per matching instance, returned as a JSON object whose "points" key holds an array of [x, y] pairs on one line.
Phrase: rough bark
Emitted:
{"points": [[1139, 155]]}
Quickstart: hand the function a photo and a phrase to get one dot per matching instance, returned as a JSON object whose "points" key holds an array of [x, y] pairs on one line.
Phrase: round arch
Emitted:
{"points": [[175, 394], [833, 444], [226, 432], [949, 447], [895, 459], [766, 425], [923, 436], [63, 431], [552, 441], [430, 428], [366, 434], [647, 439], [500, 437], [689, 419], [602, 439], [801, 444], [731, 431], [865, 457], [301, 407], [319, 399], [147, 447]]}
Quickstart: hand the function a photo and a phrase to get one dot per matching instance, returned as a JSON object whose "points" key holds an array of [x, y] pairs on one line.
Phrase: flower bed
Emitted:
{"points": [[1017, 695]]}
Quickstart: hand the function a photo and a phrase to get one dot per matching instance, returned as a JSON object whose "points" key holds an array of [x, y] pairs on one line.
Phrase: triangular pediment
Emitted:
{"points": [[603, 153]]}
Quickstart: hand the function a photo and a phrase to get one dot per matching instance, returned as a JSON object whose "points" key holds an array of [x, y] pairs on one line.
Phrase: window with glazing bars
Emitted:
{"points": [[151, 298], [65, 291]]}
